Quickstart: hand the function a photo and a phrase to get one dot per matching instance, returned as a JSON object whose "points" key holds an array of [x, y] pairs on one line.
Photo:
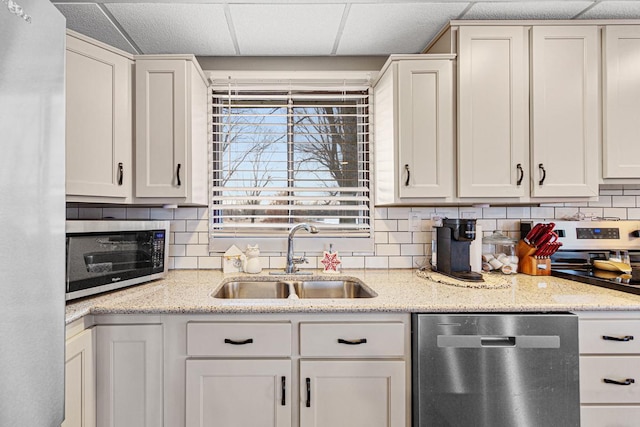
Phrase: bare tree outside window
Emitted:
{"points": [[282, 161]]}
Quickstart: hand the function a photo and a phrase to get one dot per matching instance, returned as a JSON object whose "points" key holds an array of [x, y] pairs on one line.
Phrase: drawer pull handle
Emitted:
{"points": [[628, 381], [284, 390], [406, 183], [625, 338], [544, 174], [178, 175], [247, 341], [308, 393], [352, 342]]}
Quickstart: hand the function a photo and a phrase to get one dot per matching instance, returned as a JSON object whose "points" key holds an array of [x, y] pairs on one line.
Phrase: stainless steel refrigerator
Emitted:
{"points": [[32, 214]]}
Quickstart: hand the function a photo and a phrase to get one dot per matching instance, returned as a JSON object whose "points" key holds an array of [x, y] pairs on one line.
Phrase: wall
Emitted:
{"points": [[395, 245]]}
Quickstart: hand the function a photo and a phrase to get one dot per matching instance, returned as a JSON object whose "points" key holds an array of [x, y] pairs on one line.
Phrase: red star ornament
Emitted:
{"points": [[330, 262]]}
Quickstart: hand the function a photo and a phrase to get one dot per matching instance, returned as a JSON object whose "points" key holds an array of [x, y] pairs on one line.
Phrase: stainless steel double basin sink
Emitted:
{"points": [[280, 288]]}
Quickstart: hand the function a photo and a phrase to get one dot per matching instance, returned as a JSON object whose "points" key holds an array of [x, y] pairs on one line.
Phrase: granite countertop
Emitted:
{"points": [[189, 292]]}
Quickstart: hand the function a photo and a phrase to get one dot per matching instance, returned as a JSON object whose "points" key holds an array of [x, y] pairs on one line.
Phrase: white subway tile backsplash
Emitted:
{"points": [[387, 250], [380, 213], [413, 249], [400, 262], [395, 245], [517, 212], [381, 237], [386, 225], [633, 213], [403, 225], [210, 263], [619, 213], [161, 214], [198, 250], [494, 212], [186, 238], [197, 225], [177, 250], [376, 262], [183, 263], [354, 262], [186, 213], [623, 201], [398, 213], [602, 202], [567, 213], [399, 237], [543, 213]]}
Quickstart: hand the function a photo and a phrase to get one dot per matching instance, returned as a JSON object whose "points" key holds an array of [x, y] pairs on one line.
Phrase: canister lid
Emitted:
{"points": [[497, 238]]}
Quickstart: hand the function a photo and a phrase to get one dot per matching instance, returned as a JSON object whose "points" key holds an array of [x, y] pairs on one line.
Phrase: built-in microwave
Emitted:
{"points": [[107, 255]]}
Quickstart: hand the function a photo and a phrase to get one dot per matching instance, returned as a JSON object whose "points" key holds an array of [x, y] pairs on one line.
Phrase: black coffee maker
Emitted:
{"points": [[453, 243]]}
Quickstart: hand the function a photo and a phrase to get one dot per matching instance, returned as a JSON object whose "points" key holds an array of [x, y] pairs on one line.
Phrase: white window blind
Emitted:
{"points": [[290, 152]]}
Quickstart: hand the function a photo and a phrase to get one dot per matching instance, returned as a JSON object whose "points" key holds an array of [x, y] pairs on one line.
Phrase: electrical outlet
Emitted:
{"points": [[415, 221]]}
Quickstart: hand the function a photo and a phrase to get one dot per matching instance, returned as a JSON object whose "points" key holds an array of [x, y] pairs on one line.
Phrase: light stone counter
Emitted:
{"points": [[189, 292]]}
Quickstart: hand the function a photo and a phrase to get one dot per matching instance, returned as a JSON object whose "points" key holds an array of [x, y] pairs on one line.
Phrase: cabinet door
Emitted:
{"points": [[129, 375], [238, 393], [564, 87], [425, 131], [161, 128], [354, 393], [79, 382], [98, 121], [492, 112], [621, 109]]}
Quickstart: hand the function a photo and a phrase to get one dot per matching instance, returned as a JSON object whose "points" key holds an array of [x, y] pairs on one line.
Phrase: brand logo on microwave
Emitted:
{"points": [[116, 279]]}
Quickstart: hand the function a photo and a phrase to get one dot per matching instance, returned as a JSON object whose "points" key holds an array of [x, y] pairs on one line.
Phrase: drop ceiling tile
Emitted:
{"points": [[526, 10], [200, 29], [286, 29], [90, 20], [614, 10], [382, 29]]}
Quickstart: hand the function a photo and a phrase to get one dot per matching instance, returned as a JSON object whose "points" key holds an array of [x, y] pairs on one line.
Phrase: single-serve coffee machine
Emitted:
{"points": [[454, 239]]}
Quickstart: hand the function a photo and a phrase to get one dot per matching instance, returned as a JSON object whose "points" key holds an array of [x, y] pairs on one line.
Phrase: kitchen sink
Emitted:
{"points": [[277, 288], [332, 289], [255, 290]]}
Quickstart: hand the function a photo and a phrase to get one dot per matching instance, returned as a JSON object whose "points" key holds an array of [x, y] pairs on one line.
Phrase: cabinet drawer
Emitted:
{"points": [[609, 416], [595, 369], [352, 339], [624, 336], [238, 339]]}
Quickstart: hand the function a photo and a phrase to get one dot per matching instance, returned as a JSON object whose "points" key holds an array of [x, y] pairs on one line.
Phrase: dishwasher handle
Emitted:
{"points": [[498, 341]]}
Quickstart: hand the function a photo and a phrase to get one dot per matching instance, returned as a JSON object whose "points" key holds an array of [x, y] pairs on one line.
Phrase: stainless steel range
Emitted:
{"points": [[588, 247]]}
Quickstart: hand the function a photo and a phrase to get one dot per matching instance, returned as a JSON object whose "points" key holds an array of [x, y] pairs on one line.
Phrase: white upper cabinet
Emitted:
{"points": [[493, 112], [528, 123], [98, 121], [413, 128], [171, 130], [621, 101], [564, 116]]}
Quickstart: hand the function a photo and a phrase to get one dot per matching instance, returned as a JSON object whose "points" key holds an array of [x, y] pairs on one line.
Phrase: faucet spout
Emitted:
{"points": [[291, 261]]}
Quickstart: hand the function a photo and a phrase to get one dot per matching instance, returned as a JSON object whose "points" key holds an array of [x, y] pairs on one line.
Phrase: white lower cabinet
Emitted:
{"points": [[356, 393], [239, 393], [129, 375], [609, 369], [252, 370], [79, 381]]}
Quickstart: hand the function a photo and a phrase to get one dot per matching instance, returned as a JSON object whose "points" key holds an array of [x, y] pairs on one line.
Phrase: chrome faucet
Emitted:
{"points": [[291, 266]]}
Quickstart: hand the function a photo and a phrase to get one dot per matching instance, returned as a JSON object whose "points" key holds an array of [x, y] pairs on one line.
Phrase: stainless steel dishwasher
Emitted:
{"points": [[494, 370]]}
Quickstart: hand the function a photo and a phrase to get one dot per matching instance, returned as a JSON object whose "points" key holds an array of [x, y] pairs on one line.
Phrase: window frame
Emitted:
{"points": [[304, 242]]}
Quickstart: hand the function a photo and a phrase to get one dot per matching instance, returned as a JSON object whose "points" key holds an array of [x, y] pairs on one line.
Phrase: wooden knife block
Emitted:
{"points": [[528, 264]]}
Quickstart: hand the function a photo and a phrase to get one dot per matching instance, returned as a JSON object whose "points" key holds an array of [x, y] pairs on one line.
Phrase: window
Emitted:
{"points": [[286, 153]]}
